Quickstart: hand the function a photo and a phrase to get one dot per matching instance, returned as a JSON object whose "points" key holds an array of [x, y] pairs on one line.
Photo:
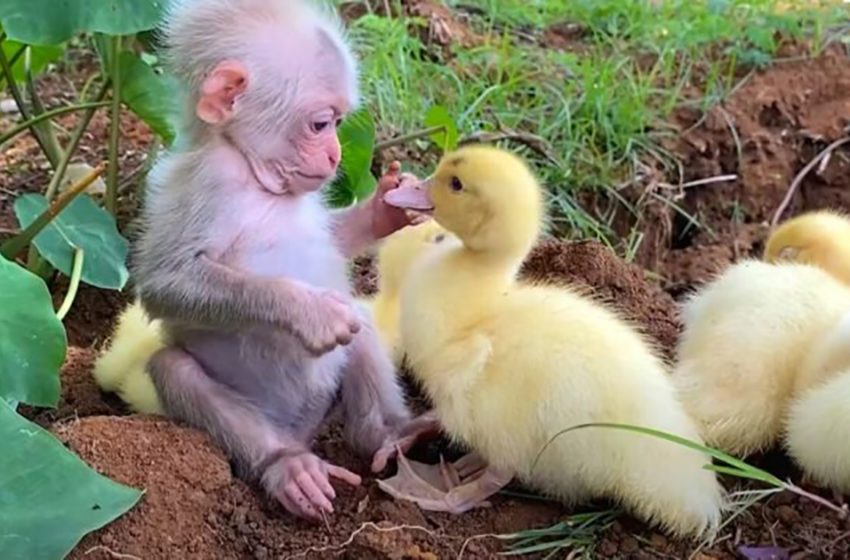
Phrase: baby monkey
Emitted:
{"points": [[244, 264]]}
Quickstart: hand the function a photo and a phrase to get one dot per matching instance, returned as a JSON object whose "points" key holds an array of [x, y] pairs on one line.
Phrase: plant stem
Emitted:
{"points": [[59, 174], [6, 68], [841, 511], [12, 247], [114, 125], [52, 150], [408, 137], [21, 127], [76, 274]]}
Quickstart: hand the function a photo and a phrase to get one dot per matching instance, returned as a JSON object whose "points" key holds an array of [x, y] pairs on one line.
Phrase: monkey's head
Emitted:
{"points": [[273, 77]]}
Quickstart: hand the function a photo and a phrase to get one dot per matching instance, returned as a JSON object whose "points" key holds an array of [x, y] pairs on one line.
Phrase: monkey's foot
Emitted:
{"points": [[420, 428], [449, 487]]}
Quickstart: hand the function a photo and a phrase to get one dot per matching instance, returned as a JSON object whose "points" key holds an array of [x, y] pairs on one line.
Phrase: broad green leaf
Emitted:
{"points": [[357, 138], [49, 498], [39, 57], [81, 224], [48, 22], [152, 96], [446, 139], [32, 339]]}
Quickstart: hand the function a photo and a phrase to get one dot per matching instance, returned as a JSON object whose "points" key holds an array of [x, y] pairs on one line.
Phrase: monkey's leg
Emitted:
{"points": [[372, 398], [289, 471]]}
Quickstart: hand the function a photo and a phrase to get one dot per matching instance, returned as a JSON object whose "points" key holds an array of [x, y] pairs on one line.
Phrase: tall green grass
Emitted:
{"points": [[601, 107]]}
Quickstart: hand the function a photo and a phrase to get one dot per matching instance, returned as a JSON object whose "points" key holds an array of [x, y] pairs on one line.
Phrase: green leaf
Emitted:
{"points": [[154, 97], [48, 22], [49, 498], [446, 139], [81, 224], [32, 340], [40, 57], [751, 471], [355, 181]]}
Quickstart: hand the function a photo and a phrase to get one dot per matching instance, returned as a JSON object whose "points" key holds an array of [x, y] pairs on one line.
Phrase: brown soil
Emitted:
{"points": [[765, 133], [194, 507]]}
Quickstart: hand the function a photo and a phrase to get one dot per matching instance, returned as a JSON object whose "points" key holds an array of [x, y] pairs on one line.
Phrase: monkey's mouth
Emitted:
{"points": [[411, 196]]}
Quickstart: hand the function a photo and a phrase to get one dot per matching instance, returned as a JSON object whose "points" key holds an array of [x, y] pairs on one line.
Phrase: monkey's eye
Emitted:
{"points": [[456, 185], [319, 126]]}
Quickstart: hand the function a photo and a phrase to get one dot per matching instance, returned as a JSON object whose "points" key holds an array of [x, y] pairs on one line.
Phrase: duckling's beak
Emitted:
{"points": [[411, 195]]}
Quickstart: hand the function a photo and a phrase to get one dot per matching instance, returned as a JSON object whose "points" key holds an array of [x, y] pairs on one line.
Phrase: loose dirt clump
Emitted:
{"points": [[186, 480]]}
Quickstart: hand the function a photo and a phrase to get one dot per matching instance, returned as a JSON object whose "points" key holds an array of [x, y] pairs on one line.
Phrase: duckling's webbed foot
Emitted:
{"points": [[449, 487], [421, 428]]}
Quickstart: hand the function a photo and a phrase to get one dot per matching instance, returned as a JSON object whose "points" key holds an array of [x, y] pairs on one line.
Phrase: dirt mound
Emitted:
{"points": [[186, 482], [595, 267], [194, 508]]}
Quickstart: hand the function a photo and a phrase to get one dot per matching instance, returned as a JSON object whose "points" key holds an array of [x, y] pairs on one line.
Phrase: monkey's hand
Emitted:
{"points": [[301, 482], [422, 427], [325, 320], [386, 219]]}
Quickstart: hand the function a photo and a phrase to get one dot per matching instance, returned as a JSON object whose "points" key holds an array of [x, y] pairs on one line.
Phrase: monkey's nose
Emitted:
{"points": [[333, 160]]}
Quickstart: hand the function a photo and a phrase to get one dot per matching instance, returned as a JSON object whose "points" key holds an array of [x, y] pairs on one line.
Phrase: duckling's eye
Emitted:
{"points": [[439, 238], [456, 185]]}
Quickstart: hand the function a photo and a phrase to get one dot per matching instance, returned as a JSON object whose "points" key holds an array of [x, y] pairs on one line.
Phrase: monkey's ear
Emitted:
{"points": [[219, 90]]}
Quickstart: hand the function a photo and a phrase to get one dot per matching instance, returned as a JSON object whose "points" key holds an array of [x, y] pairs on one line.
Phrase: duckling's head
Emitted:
{"points": [[819, 238], [400, 250], [486, 196]]}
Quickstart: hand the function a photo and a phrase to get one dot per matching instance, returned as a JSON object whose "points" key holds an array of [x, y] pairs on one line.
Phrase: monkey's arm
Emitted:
{"points": [[358, 228], [201, 291], [207, 293]]}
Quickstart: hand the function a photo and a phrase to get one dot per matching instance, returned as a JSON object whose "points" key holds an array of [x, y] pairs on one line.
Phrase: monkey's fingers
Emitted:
{"points": [[307, 484], [345, 475], [297, 503]]}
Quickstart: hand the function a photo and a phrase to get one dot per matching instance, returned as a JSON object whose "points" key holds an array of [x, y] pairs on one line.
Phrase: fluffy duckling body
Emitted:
{"points": [[396, 255], [121, 368], [746, 337], [508, 366], [820, 238]]}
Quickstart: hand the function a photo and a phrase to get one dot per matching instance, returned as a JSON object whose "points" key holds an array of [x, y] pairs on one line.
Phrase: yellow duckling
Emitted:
{"points": [[818, 419], [395, 257], [121, 369], [759, 334], [821, 238], [508, 366]]}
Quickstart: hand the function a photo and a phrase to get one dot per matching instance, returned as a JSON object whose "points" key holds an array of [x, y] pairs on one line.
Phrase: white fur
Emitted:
{"points": [[745, 340]]}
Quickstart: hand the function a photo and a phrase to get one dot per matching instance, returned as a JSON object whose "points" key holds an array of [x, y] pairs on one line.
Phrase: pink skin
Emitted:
{"points": [[300, 480]]}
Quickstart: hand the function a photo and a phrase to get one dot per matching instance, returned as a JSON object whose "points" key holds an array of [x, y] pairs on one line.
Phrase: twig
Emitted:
{"points": [[112, 553], [409, 137], [350, 539], [52, 149], [114, 125], [59, 174], [48, 115], [6, 68], [76, 274], [12, 247], [707, 181], [475, 538], [532, 141], [795, 184]]}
